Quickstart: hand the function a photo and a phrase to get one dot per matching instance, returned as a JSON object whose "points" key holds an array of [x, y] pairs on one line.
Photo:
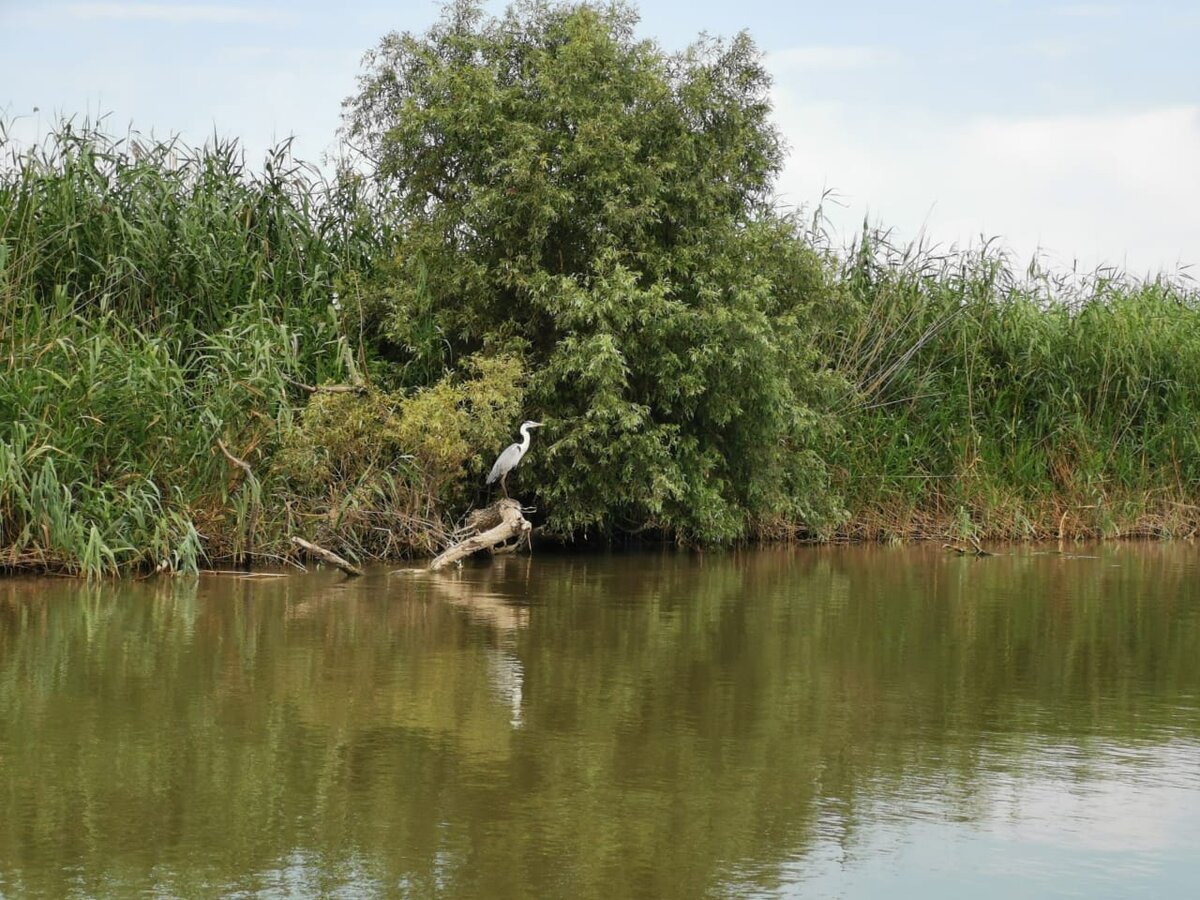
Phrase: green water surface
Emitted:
{"points": [[828, 722]]}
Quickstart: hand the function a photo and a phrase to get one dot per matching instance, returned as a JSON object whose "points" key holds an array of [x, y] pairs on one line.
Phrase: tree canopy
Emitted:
{"points": [[572, 194]]}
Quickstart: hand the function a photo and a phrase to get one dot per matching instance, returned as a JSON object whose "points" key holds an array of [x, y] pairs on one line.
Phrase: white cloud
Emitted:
{"points": [[816, 57], [172, 12], [1118, 187], [1088, 10], [1056, 49]]}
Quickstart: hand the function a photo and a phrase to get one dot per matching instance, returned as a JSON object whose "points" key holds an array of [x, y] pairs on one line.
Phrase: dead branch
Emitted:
{"points": [[327, 556], [482, 519], [252, 517], [240, 463], [510, 524], [974, 550], [327, 388], [238, 573]]}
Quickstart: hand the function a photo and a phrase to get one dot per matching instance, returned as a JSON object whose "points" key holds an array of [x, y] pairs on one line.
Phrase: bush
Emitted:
{"points": [[574, 195], [377, 473]]}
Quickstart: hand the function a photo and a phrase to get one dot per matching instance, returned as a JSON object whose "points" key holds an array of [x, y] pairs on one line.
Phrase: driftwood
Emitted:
{"points": [[238, 573], [976, 549], [327, 556], [503, 522]]}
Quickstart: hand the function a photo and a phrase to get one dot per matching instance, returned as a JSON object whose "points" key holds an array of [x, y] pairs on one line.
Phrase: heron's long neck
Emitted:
{"points": [[524, 439]]}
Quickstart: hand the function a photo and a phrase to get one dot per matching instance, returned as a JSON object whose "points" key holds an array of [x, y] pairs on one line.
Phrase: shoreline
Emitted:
{"points": [[919, 531]]}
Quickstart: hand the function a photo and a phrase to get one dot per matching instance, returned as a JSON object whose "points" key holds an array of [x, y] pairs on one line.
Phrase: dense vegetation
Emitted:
{"points": [[157, 302], [550, 217], [992, 403], [576, 196]]}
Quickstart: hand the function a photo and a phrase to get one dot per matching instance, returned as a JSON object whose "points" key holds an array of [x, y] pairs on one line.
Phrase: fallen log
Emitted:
{"points": [[509, 524], [327, 556]]}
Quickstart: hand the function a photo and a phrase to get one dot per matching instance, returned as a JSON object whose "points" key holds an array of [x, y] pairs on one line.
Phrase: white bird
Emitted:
{"points": [[512, 454]]}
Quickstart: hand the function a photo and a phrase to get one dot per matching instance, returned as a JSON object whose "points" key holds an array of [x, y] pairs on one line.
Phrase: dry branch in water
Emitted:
{"points": [[505, 521], [975, 549], [327, 556]]}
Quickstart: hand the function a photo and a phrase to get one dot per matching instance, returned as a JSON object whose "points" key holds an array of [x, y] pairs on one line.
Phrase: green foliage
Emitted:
{"points": [[107, 438], [166, 235], [579, 196], [355, 461]]}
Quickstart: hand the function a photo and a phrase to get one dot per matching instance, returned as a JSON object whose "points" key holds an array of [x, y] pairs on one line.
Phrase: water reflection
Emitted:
{"points": [[836, 721]]}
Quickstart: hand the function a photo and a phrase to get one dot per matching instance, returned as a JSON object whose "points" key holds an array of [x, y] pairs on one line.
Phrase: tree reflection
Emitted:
{"points": [[649, 725]]}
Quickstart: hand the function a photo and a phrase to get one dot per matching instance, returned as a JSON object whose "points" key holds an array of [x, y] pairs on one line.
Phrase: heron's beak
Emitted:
{"points": [[536, 424]]}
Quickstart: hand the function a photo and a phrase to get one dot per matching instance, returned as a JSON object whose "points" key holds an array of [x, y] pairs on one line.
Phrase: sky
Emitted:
{"points": [[1070, 130]]}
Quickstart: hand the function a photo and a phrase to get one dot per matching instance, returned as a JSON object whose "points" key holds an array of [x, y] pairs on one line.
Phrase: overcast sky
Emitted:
{"points": [[1070, 127]]}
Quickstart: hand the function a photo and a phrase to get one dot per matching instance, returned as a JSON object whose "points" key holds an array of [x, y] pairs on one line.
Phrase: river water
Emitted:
{"points": [[853, 722]]}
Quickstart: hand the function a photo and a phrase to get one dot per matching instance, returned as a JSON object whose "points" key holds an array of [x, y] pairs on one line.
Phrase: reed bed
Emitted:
{"points": [[992, 401], [154, 299]]}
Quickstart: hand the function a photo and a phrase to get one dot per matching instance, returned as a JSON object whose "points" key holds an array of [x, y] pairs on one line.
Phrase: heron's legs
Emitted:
{"points": [[503, 486]]}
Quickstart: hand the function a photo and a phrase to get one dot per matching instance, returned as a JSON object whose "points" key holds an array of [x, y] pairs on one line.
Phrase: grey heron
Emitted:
{"points": [[511, 455]]}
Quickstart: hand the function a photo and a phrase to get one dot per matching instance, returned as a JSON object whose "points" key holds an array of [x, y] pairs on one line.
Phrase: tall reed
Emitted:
{"points": [[1015, 403], [154, 298]]}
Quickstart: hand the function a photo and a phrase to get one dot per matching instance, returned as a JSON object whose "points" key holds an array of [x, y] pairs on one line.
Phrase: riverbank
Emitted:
{"points": [[168, 313]]}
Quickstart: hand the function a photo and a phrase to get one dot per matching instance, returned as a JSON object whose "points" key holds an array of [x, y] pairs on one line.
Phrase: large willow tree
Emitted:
{"points": [[572, 193]]}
